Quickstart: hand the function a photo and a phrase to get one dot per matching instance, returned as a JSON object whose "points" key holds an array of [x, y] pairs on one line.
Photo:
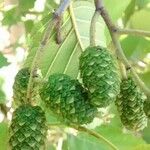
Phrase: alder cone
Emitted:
{"points": [[100, 75], [67, 99], [130, 106], [20, 87], [28, 128]]}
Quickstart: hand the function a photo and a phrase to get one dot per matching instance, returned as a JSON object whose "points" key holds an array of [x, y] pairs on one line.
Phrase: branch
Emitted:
{"points": [[119, 51], [93, 29], [58, 31], [134, 32], [95, 134], [57, 14]]}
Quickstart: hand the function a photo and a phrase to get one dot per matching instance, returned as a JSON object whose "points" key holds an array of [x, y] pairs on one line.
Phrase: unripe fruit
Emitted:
{"points": [[67, 99], [130, 106], [28, 128], [100, 75], [20, 87]]}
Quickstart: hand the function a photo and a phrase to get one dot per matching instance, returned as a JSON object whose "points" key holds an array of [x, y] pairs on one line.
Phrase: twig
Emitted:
{"points": [[95, 134], [134, 32], [93, 28], [4, 109], [58, 31], [119, 51], [64, 5], [122, 70]]}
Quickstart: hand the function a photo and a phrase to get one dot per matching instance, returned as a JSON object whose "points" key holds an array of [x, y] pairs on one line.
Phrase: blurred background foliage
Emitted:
{"points": [[22, 23]]}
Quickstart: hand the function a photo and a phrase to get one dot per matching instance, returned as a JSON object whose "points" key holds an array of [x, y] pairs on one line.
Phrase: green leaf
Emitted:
{"points": [[142, 3], [135, 48], [50, 146], [119, 5], [84, 142], [12, 16], [140, 20], [4, 136], [122, 140], [25, 5], [28, 25], [2, 94], [3, 61], [146, 78], [145, 133], [2, 97], [129, 11], [142, 147]]}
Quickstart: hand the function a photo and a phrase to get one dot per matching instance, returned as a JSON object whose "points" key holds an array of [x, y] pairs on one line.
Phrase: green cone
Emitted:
{"points": [[147, 108], [20, 87], [28, 128], [100, 75], [130, 106], [67, 98]]}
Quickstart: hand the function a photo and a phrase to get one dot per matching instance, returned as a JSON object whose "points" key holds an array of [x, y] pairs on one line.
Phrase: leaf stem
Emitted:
{"points": [[134, 32], [95, 134], [57, 14], [93, 28], [119, 51]]}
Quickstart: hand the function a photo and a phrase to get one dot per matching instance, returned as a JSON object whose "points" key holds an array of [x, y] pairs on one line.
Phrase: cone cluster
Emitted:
{"points": [[67, 99]]}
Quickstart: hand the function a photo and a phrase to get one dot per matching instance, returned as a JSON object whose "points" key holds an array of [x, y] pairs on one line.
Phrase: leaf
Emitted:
{"points": [[135, 48], [119, 5], [83, 12], [145, 133], [4, 136], [2, 94], [142, 147], [146, 78], [3, 61], [138, 21], [25, 5], [28, 25], [129, 11], [142, 3], [84, 142], [11, 16], [122, 140]]}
